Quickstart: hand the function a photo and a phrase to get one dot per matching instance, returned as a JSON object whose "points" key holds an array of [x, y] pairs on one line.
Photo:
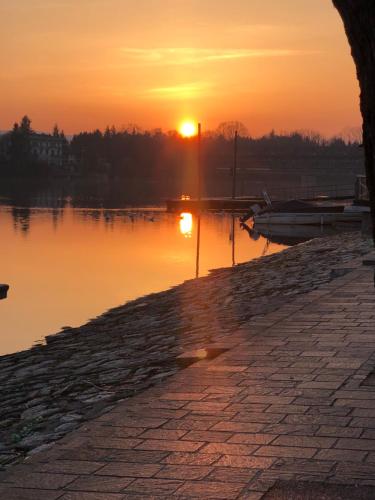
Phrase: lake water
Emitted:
{"points": [[67, 265]]}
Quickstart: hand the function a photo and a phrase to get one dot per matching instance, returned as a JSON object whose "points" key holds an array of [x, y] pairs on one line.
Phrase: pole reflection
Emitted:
{"points": [[233, 238], [186, 226], [186, 229], [198, 246]]}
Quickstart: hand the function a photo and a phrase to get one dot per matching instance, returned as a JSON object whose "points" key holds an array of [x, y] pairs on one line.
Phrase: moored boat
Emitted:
{"points": [[317, 219]]}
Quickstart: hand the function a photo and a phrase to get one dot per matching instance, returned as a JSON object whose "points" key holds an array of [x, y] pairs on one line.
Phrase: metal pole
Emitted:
{"points": [[199, 162], [233, 241], [198, 246], [199, 199], [234, 166]]}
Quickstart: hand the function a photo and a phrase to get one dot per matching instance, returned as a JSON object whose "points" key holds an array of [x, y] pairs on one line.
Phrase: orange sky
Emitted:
{"points": [[282, 64]]}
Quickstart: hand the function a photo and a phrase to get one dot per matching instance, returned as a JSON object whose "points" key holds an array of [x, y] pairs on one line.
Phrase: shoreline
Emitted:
{"points": [[49, 390]]}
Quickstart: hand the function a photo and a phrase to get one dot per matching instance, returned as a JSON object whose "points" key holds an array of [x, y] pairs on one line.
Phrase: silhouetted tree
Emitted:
{"points": [[228, 129], [20, 154], [352, 135], [56, 131], [25, 126], [359, 21]]}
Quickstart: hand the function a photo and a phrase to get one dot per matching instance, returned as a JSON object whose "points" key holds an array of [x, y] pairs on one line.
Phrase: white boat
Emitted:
{"points": [[316, 219], [357, 209]]}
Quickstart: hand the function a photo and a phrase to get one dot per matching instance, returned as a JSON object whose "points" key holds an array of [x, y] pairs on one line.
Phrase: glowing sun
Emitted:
{"points": [[188, 129]]}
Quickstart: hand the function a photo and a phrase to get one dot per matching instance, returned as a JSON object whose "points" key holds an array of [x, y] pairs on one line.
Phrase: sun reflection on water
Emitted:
{"points": [[186, 224]]}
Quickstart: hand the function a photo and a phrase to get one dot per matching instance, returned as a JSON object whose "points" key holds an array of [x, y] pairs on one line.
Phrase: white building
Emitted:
{"points": [[48, 148]]}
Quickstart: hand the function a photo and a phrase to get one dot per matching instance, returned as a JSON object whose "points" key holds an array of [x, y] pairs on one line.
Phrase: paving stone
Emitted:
{"points": [[41, 480], [184, 472], [144, 422], [106, 443], [264, 418], [272, 400], [136, 456], [304, 441], [123, 469], [350, 432], [238, 427], [229, 449], [251, 495], [163, 434], [170, 445], [192, 458], [206, 406], [8, 493], [355, 403], [69, 467], [340, 455], [244, 462], [302, 466], [286, 451], [252, 438], [86, 454], [286, 490], [188, 424], [290, 429], [154, 486], [287, 409], [100, 484], [356, 444], [229, 474], [80, 495], [352, 470], [207, 436], [208, 489], [317, 420]]}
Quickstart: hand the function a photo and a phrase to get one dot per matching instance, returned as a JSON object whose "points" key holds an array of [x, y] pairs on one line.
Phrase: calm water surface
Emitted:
{"points": [[65, 266]]}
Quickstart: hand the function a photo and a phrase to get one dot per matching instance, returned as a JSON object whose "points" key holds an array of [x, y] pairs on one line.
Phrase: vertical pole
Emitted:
{"points": [[198, 246], [233, 241], [234, 166], [199, 162], [199, 165]]}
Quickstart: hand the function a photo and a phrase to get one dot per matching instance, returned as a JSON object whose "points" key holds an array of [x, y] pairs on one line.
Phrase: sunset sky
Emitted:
{"points": [[282, 64]]}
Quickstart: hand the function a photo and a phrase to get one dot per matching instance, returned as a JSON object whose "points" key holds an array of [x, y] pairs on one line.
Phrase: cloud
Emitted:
{"points": [[183, 56], [181, 91]]}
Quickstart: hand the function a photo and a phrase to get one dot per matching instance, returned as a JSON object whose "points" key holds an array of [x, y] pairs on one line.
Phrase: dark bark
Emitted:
{"points": [[359, 21]]}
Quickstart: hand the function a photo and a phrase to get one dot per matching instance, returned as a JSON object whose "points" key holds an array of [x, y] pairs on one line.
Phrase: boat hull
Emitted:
{"points": [[305, 219]]}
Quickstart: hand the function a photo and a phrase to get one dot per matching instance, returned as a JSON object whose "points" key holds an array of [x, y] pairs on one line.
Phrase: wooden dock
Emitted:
{"points": [[216, 204], [3, 291], [243, 204]]}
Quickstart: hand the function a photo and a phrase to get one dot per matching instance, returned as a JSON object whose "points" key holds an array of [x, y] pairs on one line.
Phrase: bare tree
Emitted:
{"points": [[359, 22], [228, 129], [312, 136], [351, 135]]}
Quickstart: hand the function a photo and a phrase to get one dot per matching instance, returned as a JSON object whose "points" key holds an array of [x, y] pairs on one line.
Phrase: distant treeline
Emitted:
{"points": [[136, 154], [123, 153]]}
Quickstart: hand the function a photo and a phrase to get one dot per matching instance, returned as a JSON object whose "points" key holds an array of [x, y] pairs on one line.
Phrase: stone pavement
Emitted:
{"points": [[51, 389], [291, 399]]}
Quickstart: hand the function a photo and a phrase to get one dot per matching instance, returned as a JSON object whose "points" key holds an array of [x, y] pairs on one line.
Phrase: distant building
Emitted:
{"points": [[48, 148]]}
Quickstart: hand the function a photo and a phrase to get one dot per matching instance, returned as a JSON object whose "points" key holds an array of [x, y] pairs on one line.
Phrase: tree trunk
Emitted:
{"points": [[359, 21]]}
